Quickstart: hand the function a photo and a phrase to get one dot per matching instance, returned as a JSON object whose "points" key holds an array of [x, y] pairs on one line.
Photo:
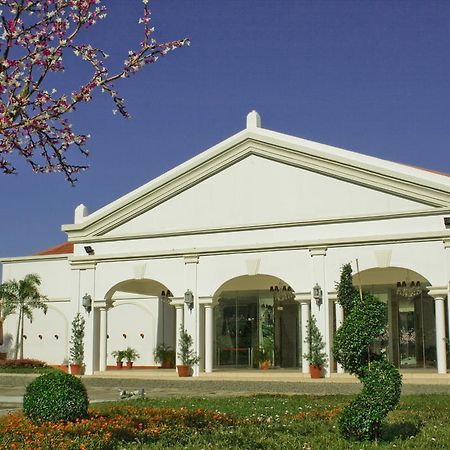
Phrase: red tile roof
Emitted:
{"points": [[66, 247]]}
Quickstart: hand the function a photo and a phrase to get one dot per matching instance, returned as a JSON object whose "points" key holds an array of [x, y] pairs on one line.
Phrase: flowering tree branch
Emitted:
{"points": [[35, 35]]}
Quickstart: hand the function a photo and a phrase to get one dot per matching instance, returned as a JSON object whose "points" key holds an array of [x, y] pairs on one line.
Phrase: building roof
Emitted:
{"points": [[65, 247]]}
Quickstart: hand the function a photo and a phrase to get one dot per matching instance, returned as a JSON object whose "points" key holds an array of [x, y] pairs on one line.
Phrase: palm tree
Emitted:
{"points": [[6, 309], [22, 296]]}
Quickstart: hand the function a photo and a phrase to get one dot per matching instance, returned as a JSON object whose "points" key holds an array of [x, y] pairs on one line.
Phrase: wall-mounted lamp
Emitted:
{"points": [[87, 303], [141, 335], [318, 294], [124, 335], [447, 222], [89, 250], [189, 299]]}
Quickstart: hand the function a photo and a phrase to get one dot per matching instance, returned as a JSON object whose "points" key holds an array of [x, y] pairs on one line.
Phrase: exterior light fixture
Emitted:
{"points": [[189, 299], [282, 292], [318, 294], [89, 250], [166, 296], [87, 303]]}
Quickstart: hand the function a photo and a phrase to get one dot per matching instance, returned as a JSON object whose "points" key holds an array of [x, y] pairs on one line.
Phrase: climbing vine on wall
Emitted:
{"points": [[364, 323]]}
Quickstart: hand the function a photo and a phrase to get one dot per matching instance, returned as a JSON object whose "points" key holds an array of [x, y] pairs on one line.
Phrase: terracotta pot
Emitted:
{"points": [[77, 369], [184, 371], [119, 364], [129, 364], [265, 365], [315, 371], [166, 365]]}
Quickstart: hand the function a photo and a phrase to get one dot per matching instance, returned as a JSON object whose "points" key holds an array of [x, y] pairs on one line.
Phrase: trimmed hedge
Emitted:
{"points": [[365, 321], [56, 396], [22, 363]]}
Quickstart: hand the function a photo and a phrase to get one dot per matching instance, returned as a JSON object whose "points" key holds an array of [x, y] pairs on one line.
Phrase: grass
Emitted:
{"points": [[247, 422]]}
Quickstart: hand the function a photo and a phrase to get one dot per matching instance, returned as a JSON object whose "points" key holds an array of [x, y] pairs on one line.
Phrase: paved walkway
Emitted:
{"points": [[105, 386]]}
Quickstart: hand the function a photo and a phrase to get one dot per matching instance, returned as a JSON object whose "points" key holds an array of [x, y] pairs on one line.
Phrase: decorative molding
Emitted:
{"points": [[82, 264], [319, 251], [139, 271], [191, 259], [252, 266], [437, 292], [262, 226], [273, 247], [383, 258], [303, 297], [32, 258], [332, 296]]}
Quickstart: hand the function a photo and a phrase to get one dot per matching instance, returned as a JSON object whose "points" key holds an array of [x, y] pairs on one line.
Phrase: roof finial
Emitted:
{"points": [[253, 120]]}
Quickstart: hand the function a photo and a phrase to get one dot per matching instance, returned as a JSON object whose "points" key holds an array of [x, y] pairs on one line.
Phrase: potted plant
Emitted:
{"points": [[77, 345], [316, 357], [120, 356], [264, 354], [164, 355], [131, 355], [186, 354]]}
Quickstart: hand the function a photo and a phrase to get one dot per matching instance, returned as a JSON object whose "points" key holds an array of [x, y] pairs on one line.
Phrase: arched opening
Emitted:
{"points": [[250, 317], [141, 317], [411, 333]]}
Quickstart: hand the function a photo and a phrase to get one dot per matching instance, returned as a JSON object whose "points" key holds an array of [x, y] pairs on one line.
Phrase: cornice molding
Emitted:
{"points": [[263, 226], [273, 247]]}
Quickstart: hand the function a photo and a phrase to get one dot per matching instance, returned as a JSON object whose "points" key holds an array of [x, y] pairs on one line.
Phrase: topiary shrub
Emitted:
{"points": [[365, 321], [54, 397]]}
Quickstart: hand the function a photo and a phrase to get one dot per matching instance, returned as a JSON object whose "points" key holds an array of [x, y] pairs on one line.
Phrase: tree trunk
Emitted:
{"points": [[21, 335], [16, 350], [1, 331]]}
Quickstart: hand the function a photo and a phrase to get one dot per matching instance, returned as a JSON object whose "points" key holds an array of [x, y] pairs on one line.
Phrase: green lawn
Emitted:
{"points": [[304, 422], [247, 422]]}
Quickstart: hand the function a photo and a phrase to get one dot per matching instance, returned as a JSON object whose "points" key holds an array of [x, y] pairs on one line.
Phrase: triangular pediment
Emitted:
{"points": [[258, 176]]}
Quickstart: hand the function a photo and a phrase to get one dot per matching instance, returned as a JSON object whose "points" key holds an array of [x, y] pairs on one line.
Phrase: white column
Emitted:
{"points": [[103, 338], [305, 345], [192, 316], [208, 338], [179, 321], [440, 335], [321, 311], [339, 312], [447, 263]]}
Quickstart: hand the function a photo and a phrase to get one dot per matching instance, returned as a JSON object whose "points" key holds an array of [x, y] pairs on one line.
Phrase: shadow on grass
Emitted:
{"points": [[400, 430]]}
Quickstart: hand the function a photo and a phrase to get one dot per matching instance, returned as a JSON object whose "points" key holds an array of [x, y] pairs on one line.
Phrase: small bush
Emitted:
{"points": [[54, 397], [22, 363]]}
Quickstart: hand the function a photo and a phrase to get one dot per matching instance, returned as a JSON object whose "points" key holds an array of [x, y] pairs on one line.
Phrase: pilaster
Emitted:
{"points": [[320, 310]]}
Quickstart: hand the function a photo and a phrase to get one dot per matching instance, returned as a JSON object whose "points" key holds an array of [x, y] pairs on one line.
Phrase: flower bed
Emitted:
{"points": [[104, 430]]}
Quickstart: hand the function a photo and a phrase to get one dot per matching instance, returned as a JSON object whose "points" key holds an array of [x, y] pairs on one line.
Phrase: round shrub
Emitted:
{"points": [[54, 397]]}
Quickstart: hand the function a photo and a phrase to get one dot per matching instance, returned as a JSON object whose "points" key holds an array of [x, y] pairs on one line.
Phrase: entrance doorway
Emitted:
{"points": [[247, 321]]}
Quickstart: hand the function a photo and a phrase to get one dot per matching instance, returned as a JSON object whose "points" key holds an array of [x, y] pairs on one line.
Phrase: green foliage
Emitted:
{"points": [[164, 353], [347, 295], [364, 323], [21, 297], [186, 353], [315, 355], [130, 354], [361, 328], [77, 340], [56, 396], [119, 355]]}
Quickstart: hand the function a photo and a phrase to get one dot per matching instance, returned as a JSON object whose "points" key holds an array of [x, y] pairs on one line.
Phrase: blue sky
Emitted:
{"points": [[369, 76]]}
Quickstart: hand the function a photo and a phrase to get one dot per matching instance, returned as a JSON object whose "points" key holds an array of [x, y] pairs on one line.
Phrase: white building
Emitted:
{"points": [[259, 209]]}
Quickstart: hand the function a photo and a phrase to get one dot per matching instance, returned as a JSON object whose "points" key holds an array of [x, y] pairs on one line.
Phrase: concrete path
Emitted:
{"points": [[165, 383]]}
